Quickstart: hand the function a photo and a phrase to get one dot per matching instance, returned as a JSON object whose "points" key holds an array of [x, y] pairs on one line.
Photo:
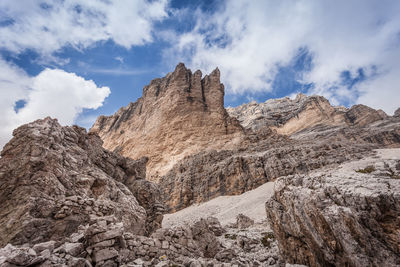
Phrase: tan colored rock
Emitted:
{"points": [[289, 116], [362, 115], [178, 115]]}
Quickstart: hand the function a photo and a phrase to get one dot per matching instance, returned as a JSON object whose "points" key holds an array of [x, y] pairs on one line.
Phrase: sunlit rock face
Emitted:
{"points": [[178, 115]]}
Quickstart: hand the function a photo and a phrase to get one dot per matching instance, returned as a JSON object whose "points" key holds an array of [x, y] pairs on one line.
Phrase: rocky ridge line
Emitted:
{"points": [[288, 116]]}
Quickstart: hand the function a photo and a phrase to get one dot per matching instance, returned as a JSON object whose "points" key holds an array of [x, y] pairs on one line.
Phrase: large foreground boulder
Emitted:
{"points": [[344, 217], [54, 179]]}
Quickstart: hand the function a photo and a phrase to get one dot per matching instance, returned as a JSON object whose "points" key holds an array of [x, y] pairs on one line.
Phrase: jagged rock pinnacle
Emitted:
{"points": [[177, 115]]}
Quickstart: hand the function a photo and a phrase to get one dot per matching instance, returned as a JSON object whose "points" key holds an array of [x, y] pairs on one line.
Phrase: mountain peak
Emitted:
{"points": [[177, 114]]}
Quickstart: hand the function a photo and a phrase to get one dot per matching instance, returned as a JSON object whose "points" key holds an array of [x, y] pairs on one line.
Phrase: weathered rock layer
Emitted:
{"points": [[204, 176], [178, 115], [289, 116], [348, 216], [54, 179]]}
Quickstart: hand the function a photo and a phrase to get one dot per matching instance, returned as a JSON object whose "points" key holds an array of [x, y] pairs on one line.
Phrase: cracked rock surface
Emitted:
{"points": [[349, 216], [54, 178]]}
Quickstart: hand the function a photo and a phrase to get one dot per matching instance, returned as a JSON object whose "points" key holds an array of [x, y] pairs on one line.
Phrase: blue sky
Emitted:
{"points": [[76, 60]]}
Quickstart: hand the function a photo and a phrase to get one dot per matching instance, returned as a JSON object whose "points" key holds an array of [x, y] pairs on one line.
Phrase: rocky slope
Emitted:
{"points": [[327, 135], [197, 151], [178, 115], [54, 179], [207, 175], [347, 216], [66, 201]]}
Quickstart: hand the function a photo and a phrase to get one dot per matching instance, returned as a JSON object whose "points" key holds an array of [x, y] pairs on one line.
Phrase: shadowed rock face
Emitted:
{"points": [[340, 217], [180, 114], [54, 178], [207, 175]]}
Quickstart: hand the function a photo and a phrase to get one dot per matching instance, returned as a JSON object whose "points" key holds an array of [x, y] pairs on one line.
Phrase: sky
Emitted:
{"points": [[77, 59]]}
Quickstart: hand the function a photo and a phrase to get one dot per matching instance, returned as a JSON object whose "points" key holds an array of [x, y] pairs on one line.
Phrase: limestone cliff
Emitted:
{"points": [[282, 137], [180, 114]]}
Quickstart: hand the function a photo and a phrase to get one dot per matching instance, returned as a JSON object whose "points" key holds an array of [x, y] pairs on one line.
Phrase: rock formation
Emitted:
{"points": [[197, 151], [289, 116], [203, 176], [347, 216], [317, 135], [178, 115], [66, 200], [54, 179], [104, 242], [397, 113]]}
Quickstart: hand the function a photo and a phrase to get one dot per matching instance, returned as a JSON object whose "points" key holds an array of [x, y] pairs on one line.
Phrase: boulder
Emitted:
{"points": [[242, 221]]}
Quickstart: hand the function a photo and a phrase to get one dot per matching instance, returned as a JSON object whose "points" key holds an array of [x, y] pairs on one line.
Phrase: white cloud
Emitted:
{"points": [[120, 59], [52, 92], [249, 40], [47, 26]]}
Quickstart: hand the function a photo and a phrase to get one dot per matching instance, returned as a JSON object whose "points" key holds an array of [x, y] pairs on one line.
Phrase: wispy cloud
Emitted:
{"points": [[120, 59]]}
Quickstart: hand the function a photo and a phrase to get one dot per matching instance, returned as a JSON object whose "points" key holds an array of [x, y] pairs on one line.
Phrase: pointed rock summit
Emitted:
{"points": [[178, 115]]}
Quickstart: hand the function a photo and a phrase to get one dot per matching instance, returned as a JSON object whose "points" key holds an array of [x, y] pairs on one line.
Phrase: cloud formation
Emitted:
{"points": [[47, 26], [52, 92], [250, 40]]}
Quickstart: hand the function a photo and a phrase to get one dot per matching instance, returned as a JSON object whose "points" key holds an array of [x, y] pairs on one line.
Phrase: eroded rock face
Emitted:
{"points": [[397, 113], [348, 216], [54, 179], [361, 115], [177, 115], [204, 176], [289, 116]]}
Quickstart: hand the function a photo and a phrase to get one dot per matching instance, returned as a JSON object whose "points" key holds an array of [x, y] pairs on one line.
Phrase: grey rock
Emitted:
{"points": [[46, 169], [397, 113], [215, 226], [242, 221], [73, 249], [344, 218], [49, 245], [104, 254]]}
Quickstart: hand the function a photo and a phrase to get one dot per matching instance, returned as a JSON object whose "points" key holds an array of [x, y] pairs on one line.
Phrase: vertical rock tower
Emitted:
{"points": [[178, 115]]}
